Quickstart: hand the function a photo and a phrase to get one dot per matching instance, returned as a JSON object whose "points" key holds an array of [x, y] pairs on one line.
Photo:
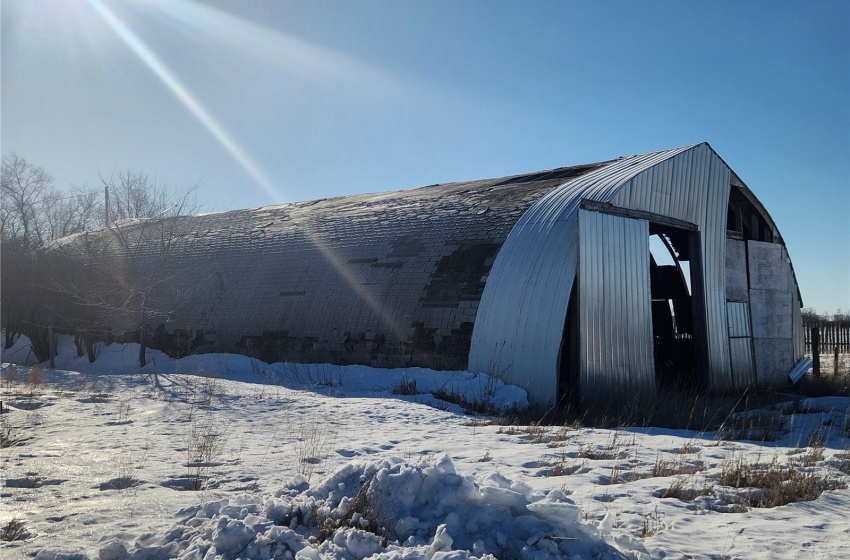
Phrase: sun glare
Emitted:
{"points": [[285, 51], [221, 25], [174, 85]]}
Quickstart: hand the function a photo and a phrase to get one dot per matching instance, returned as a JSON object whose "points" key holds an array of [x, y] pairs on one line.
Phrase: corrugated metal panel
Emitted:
{"points": [[700, 194], [739, 319], [740, 343], [741, 358], [614, 306], [519, 326]]}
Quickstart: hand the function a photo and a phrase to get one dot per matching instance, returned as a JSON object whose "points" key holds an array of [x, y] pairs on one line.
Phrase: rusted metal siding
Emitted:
{"points": [[615, 317]]}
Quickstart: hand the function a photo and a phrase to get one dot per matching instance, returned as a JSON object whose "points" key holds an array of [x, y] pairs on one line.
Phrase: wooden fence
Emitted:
{"points": [[832, 334]]}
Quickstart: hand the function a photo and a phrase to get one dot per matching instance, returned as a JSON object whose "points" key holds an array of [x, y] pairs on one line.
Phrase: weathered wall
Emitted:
{"points": [[771, 311]]}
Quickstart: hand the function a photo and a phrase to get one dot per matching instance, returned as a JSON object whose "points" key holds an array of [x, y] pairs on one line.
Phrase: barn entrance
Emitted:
{"points": [[633, 322], [672, 252]]}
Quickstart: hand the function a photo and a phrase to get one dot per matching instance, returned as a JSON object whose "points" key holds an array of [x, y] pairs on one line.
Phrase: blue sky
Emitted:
{"points": [[266, 102]]}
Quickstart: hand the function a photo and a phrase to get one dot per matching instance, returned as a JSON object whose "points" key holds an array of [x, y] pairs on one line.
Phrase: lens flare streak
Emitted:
{"points": [[217, 131], [189, 101], [356, 284]]}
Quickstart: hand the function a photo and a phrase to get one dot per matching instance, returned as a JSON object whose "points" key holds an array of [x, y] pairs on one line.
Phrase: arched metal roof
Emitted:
{"points": [[519, 329]]}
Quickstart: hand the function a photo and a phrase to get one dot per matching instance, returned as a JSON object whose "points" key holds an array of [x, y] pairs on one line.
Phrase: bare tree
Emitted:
{"points": [[104, 283], [32, 215], [132, 274]]}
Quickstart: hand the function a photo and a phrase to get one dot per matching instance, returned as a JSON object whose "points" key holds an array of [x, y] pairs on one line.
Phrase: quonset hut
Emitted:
{"points": [[586, 280]]}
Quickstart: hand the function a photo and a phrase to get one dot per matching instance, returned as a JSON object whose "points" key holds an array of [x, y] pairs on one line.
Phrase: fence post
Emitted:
{"points": [[816, 351], [51, 345], [835, 360]]}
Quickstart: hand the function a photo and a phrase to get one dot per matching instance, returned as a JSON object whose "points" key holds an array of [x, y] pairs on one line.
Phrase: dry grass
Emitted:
{"points": [[689, 447], [486, 458], [596, 453], [652, 523], [809, 457], [773, 484], [10, 437], [687, 488], [314, 443], [676, 467], [405, 386], [364, 513], [561, 464], [14, 530], [205, 445], [202, 389]]}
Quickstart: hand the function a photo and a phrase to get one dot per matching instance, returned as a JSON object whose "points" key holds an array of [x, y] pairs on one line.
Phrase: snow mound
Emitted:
{"points": [[388, 510], [479, 388]]}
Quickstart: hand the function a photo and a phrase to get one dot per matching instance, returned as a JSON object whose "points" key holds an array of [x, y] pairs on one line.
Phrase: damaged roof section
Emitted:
{"points": [[382, 279]]}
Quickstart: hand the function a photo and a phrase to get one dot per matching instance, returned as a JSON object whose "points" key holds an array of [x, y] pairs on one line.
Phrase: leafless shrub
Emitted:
{"points": [[8, 376], [14, 530]]}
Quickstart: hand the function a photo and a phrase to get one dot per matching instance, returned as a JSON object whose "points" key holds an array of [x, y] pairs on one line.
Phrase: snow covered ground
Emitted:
{"points": [[221, 456]]}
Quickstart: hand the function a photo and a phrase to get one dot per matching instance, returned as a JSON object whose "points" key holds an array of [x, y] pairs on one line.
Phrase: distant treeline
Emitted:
{"points": [[811, 315]]}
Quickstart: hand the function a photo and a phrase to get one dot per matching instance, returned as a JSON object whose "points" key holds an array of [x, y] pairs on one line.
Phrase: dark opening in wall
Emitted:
{"points": [[460, 275], [744, 220], [672, 307]]}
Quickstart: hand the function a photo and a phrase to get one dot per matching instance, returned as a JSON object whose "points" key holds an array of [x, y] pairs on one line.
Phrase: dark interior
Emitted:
{"points": [[672, 308]]}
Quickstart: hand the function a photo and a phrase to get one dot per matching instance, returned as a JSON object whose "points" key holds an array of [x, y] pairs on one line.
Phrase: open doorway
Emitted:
{"points": [[671, 287]]}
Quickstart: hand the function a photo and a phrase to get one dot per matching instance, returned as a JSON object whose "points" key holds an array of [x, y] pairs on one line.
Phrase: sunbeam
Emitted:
{"points": [[310, 61], [299, 54], [189, 101], [381, 312]]}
